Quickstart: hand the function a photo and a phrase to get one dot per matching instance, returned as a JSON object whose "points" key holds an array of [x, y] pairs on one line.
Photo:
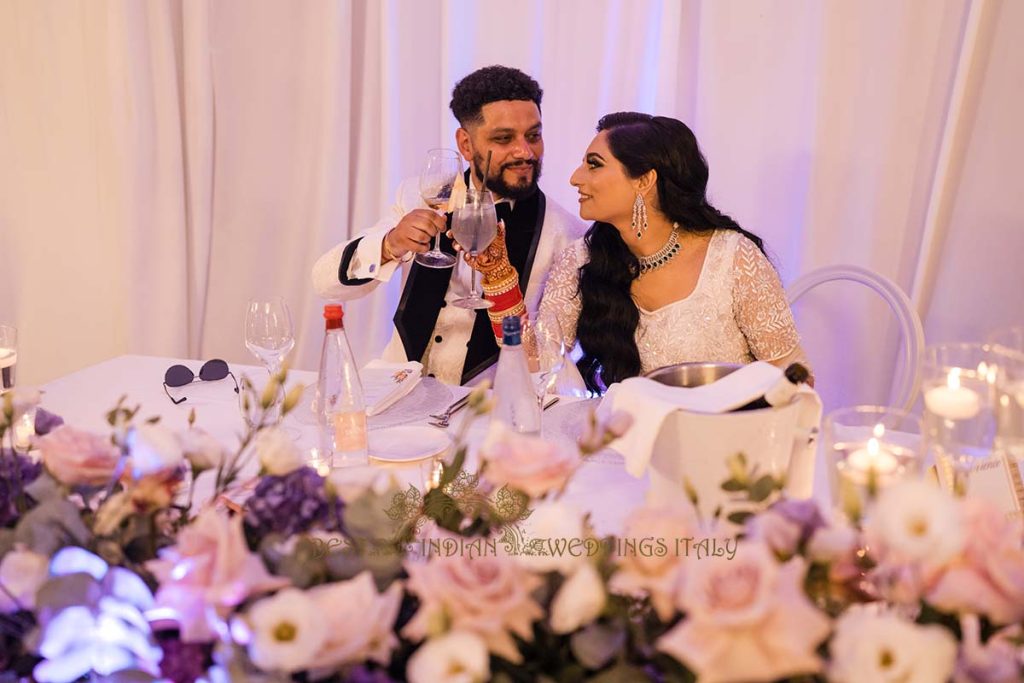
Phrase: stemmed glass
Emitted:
{"points": [[436, 181], [475, 226], [269, 334], [545, 353]]}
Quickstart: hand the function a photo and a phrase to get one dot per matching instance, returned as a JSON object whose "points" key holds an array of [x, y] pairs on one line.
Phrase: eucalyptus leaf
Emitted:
{"points": [[65, 591], [597, 644], [129, 676], [762, 488], [622, 673], [740, 517], [6, 541], [51, 525], [44, 487]]}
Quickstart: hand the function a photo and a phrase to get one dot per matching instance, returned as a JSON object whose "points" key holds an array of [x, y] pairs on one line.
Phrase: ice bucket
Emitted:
{"points": [[694, 446]]}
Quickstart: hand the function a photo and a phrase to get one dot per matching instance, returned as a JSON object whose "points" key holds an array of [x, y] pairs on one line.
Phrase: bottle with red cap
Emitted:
{"points": [[341, 410]]}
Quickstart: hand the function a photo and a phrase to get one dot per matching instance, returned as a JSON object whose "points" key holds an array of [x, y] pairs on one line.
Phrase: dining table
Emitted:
{"points": [[600, 486]]}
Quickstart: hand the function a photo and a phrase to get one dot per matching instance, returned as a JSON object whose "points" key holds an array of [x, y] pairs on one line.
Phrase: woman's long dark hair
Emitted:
{"points": [[607, 324]]}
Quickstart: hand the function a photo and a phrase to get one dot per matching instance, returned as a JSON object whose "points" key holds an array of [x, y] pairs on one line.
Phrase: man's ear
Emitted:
{"points": [[464, 144]]}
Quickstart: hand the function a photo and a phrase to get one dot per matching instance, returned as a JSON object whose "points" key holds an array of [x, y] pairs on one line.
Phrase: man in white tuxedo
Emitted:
{"points": [[498, 109]]}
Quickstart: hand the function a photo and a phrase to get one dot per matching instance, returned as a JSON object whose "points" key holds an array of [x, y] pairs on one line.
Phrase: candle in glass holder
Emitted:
{"points": [[873, 457], [25, 429], [952, 401], [318, 463]]}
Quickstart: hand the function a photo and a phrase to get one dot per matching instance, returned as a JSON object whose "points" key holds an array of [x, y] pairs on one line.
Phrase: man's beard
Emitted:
{"points": [[496, 182]]}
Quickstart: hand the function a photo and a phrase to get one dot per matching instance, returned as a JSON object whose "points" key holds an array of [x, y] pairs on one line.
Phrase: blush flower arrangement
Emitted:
{"points": [[110, 570]]}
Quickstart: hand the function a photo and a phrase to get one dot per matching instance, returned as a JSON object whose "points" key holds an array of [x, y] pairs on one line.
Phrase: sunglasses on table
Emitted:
{"points": [[180, 376]]}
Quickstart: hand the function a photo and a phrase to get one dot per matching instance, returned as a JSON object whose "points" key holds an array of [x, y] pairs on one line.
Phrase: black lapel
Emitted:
{"points": [[421, 302]]}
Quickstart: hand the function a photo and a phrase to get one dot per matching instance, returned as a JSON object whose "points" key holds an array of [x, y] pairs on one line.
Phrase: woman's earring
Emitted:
{"points": [[639, 216]]}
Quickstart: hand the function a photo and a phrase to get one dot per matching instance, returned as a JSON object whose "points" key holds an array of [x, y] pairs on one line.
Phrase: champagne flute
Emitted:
{"points": [[545, 353], [475, 226], [436, 181]]}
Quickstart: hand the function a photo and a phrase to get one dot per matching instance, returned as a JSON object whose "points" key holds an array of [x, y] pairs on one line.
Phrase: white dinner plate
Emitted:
{"points": [[407, 443]]}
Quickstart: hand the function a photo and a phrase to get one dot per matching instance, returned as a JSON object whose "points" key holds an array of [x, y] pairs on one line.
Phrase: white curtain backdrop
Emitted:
{"points": [[163, 161]]}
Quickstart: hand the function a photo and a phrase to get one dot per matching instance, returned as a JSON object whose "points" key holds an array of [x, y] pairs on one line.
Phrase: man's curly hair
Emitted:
{"points": [[491, 84]]}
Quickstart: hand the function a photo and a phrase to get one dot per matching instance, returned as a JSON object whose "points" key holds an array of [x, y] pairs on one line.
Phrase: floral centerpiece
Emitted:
{"points": [[109, 570]]}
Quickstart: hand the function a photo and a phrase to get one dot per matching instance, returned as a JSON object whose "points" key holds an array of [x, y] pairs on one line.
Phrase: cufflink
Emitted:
{"points": [[373, 267]]}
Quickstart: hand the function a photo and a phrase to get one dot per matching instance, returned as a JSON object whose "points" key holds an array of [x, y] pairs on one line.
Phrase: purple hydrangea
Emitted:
{"points": [[46, 421], [11, 467], [293, 503], [183, 662]]}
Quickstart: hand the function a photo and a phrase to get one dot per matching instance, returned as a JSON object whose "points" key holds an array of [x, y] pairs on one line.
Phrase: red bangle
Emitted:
{"points": [[505, 301]]}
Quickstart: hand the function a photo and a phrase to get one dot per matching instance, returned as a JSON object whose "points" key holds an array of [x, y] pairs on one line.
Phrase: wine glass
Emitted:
{"points": [[270, 337], [436, 181], [475, 226], [545, 352], [268, 332]]}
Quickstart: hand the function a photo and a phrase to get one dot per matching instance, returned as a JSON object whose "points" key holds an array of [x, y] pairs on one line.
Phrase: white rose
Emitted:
{"points": [[458, 657], [153, 449], [555, 525], [915, 521], [579, 601], [832, 543], [883, 647], [277, 452], [287, 631], [22, 572], [202, 450]]}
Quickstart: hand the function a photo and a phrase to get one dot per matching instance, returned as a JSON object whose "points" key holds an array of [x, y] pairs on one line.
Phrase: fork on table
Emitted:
{"points": [[443, 419]]}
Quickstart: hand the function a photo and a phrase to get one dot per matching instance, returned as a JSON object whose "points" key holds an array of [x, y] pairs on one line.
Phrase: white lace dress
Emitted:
{"points": [[737, 313]]}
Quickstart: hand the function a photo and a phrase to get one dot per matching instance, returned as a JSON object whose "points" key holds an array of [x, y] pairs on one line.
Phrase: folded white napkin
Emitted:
{"points": [[650, 402], [385, 383]]}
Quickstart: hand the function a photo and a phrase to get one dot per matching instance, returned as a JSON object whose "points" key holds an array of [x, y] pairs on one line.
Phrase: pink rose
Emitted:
{"points": [[209, 570], [748, 619], [76, 457], [526, 463], [359, 621], [654, 569], [988, 577], [488, 596]]}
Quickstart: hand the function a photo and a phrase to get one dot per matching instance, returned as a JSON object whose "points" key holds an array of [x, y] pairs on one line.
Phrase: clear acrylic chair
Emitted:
{"points": [[907, 375]]}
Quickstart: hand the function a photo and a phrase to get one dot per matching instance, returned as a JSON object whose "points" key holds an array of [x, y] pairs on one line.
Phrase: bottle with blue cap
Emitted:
{"points": [[517, 403]]}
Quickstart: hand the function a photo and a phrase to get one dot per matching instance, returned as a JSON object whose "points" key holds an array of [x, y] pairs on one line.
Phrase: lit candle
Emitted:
{"points": [[25, 429], [322, 467], [952, 401], [873, 457]]}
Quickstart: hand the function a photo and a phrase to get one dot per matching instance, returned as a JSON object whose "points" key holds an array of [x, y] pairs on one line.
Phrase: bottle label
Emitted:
{"points": [[349, 431]]}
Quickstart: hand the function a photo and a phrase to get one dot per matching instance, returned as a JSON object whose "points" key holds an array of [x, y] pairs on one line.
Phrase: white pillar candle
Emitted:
{"points": [[952, 401], [873, 457]]}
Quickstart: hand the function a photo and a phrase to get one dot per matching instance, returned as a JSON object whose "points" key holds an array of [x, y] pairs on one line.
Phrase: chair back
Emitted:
{"points": [[907, 375]]}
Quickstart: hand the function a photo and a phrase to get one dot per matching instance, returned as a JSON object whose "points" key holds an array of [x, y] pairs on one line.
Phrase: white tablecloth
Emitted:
{"points": [[83, 398]]}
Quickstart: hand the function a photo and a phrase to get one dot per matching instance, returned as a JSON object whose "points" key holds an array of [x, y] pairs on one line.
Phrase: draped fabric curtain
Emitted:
{"points": [[161, 162]]}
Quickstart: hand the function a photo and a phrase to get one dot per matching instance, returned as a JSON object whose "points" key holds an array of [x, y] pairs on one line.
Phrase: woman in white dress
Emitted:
{"points": [[662, 276]]}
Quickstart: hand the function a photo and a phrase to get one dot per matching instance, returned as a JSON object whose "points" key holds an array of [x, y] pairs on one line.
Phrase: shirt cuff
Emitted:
{"points": [[365, 262]]}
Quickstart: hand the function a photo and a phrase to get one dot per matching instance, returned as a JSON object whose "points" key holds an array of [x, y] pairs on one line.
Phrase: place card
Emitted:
{"points": [[998, 479]]}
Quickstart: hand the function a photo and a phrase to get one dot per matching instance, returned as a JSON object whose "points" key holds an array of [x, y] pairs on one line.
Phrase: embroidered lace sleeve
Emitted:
{"points": [[761, 309], [561, 299]]}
